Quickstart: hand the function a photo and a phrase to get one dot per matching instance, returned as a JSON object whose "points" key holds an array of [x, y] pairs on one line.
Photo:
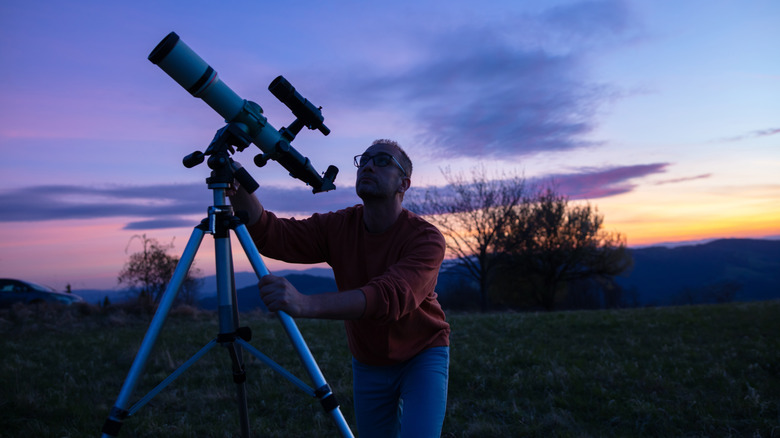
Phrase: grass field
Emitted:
{"points": [[683, 371]]}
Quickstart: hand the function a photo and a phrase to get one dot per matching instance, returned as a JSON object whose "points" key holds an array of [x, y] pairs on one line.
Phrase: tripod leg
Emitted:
{"points": [[239, 378], [322, 389], [228, 319], [119, 412]]}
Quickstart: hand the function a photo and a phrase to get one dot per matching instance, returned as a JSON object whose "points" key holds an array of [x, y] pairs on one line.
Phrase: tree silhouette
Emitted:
{"points": [[551, 243], [150, 270]]}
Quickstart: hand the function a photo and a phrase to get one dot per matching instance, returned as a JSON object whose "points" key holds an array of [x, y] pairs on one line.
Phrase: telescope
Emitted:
{"points": [[190, 71]]}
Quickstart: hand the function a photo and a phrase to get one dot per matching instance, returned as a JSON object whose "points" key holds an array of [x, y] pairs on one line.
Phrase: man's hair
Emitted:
{"points": [[406, 163]]}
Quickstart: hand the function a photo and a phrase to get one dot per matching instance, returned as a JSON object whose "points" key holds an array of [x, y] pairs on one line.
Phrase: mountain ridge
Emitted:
{"points": [[663, 275]]}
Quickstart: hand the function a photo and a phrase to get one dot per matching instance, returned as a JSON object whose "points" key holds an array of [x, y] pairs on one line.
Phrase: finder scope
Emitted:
{"points": [[307, 113], [190, 71]]}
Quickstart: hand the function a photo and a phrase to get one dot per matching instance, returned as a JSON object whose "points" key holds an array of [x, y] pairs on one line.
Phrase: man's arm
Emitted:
{"points": [[241, 200], [278, 294], [410, 281]]}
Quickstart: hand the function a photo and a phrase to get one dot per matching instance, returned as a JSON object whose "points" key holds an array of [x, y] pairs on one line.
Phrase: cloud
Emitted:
{"points": [[586, 185], [157, 206], [601, 183], [173, 205], [154, 224], [51, 202], [752, 134], [684, 179], [590, 22], [512, 89]]}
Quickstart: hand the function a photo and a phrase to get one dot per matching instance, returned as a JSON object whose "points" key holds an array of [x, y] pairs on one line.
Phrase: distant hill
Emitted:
{"points": [[249, 299], [244, 279], [96, 296], [663, 276]]}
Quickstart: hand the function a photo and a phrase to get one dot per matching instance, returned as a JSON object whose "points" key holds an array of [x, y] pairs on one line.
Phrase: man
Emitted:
{"points": [[385, 260]]}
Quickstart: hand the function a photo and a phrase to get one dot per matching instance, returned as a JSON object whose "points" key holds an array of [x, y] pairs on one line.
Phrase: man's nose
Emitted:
{"points": [[369, 165]]}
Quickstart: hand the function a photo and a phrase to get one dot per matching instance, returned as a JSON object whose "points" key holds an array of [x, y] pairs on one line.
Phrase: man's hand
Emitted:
{"points": [[278, 294], [241, 200]]}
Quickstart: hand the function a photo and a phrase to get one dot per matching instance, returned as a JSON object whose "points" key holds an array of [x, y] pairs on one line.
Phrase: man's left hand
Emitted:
{"points": [[278, 294]]}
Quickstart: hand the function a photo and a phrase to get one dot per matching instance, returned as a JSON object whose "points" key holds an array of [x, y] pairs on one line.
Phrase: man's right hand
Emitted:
{"points": [[241, 200]]}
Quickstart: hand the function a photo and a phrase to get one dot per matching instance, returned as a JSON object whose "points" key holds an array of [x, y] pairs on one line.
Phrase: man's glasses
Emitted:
{"points": [[380, 160]]}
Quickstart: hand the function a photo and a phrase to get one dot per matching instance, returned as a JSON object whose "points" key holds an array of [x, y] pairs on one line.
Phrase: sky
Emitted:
{"points": [[663, 114]]}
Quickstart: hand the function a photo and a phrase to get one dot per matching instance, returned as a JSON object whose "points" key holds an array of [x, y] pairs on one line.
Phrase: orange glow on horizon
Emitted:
{"points": [[685, 216], [645, 236]]}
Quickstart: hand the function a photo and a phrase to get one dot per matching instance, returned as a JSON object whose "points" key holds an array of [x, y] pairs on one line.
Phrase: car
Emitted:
{"points": [[18, 291]]}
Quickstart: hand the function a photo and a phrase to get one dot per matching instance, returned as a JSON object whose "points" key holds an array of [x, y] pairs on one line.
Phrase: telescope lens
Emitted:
{"points": [[164, 48]]}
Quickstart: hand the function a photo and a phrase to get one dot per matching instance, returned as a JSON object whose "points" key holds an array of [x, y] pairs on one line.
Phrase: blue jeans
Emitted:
{"points": [[403, 400]]}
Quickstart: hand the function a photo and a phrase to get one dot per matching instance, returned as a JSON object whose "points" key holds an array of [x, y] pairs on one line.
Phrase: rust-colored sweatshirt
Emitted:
{"points": [[396, 270]]}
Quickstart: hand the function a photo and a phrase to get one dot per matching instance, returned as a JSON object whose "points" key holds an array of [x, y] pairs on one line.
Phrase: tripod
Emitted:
{"points": [[219, 223]]}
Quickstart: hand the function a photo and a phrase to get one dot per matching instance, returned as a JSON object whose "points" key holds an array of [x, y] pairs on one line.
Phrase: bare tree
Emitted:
{"points": [[473, 214], [551, 243], [150, 271]]}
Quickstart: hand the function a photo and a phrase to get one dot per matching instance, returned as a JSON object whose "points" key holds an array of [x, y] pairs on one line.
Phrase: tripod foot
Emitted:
{"points": [[114, 422]]}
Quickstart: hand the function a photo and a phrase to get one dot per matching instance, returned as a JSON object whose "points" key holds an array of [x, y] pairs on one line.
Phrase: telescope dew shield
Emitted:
{"points": [[190, 71], [194, 74]]}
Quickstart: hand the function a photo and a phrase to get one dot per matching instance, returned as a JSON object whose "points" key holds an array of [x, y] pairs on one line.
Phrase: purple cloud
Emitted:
{"points": [[588, 184], [684, 179], [169, 206], [156, 224], [752, 134], [42, 203], [590, 22], [514, 90], [601, 183], [158, 206]]}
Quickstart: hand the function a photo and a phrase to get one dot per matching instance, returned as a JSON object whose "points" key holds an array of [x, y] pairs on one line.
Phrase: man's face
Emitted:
{"points": [[379, 182]]}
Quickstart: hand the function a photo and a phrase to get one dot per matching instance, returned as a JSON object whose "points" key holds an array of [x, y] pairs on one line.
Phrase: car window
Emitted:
{"points": [[22, 286], [39, 288], [11, 286]]}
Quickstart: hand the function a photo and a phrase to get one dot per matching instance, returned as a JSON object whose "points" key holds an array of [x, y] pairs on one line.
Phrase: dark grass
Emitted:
{"points": [[682, 371]]}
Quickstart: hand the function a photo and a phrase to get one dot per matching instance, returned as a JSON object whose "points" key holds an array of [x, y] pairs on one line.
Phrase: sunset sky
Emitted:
{"points": [[663, 114]]}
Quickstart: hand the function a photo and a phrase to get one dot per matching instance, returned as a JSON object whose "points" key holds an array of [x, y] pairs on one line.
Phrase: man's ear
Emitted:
{"points": [[405, 184]]}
